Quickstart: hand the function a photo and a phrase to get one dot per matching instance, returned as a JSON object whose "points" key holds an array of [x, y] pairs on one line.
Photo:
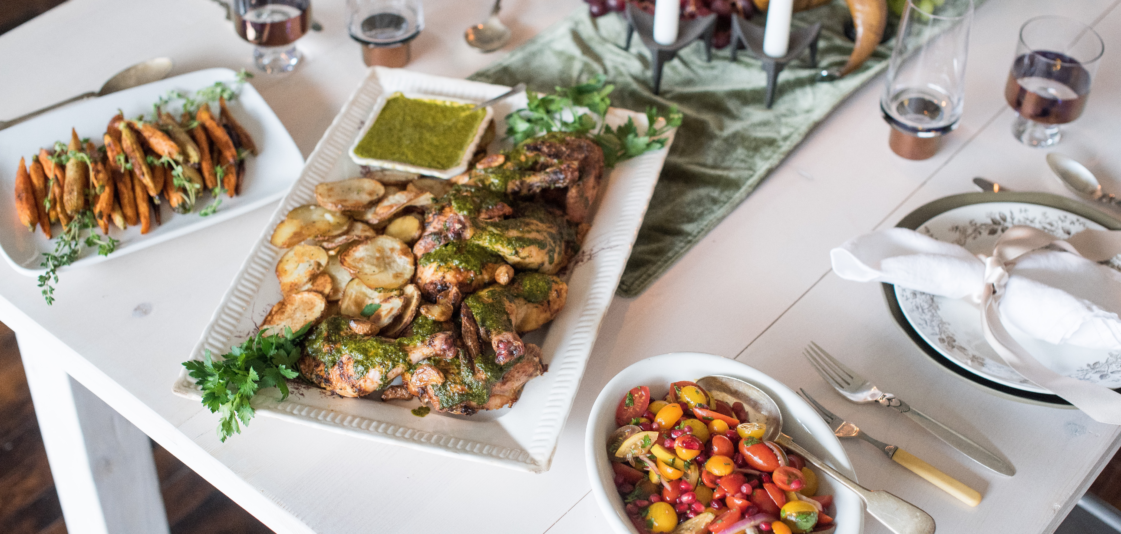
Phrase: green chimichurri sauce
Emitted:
{"points": [[426, 133], [421, 411], [462, 254]]}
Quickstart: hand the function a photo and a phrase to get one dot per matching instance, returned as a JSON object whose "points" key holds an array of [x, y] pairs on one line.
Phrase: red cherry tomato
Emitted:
{"points": [[707, 416], [763, 501], [709, 479], [776, 494], [823, 519], [731, 483], [678, 385], [720, 493], [825, 500], [737, 503], [795, 461], [629, 474], [726, 519], [789, 479], [759, 457], [722, 446], [671, 492], [632, 405]]}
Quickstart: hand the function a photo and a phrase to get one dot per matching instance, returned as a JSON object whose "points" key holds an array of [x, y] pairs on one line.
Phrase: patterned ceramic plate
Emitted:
{"points": [[952, 327]]}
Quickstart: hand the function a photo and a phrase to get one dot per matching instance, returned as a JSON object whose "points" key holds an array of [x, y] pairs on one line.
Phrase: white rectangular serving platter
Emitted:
{"points": [[267, 175], [523, 437]]}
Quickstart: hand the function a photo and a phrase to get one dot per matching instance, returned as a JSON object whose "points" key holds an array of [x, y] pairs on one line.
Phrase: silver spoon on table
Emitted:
{"points": [[1079, 179], [896, 514], [491, 34], [138, 74]]}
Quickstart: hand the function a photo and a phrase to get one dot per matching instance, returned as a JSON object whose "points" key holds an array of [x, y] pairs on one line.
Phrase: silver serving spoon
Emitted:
{"points": [[490, 35], [517, 89], [138, 74], [896, 514], [1079, 179]]}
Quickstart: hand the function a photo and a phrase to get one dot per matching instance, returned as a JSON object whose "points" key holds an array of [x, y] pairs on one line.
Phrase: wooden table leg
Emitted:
{"points": [[102, 465]]}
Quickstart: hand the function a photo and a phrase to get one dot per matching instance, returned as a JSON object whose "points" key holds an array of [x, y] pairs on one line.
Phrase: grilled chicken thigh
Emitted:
{"points": [[496, 315]]}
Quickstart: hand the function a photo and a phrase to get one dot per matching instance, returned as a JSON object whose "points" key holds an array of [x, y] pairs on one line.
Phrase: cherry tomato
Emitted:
{"points": [[759, 456], [811, 482], [717, 426], [629, 474], [632, 405], [722, 446], [670, 492], [655, 406], [676, 386], [799, 516], [712, 415], [778, 527], [732, 483], [668, 416], [727, 519], [825, 500], [709, 479], [763, 501], [720, 493], [639, 524], [692, 396], [789, 479], [661, 516], [738, 503], [795, 461], [704, 495], [823, 519], [719, 465], [687, 446], [667, 472], [776, 494], [751, 430]]}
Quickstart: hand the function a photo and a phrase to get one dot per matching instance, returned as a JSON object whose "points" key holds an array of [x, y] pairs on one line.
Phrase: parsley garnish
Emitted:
{"points": [[212, 208], [123, 163], [635, 421], [634, 495], [262, 361], [630, 400], [67, 249], [645, 441], [370, 309], [751, 441]]}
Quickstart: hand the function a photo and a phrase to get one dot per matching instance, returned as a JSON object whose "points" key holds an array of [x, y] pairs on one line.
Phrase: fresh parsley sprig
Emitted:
{"points": [[68, 247], [262, 361], [564, 111]]}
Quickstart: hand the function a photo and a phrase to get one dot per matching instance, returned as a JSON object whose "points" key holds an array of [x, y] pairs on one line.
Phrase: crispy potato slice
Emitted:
{"points": [[340, 277], [306, 222], [357, 296], [390, 205], [322, 284], [407, 228], [299, 266], [295, 311], [389, 176], [355, 194], [408, 312], [357, 231], [436, 186], [383, 261]]}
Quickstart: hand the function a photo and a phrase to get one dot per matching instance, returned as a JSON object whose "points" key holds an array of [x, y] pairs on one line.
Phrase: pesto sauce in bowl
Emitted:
{"points": [[427, 133]]}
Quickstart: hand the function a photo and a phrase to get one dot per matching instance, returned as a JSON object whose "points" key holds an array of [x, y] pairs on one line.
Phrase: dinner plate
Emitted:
{"points": [[523, 437], [267, 175], [800, 422], [952, 328]]}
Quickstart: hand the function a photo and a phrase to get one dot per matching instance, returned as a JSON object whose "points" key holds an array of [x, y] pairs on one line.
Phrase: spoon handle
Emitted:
{"points": [[497, 7], [36, 113], [896, 514]]}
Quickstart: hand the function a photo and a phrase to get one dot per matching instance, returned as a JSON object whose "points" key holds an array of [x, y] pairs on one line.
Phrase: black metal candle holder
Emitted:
{"points": [[687, 32], [751, 36]]}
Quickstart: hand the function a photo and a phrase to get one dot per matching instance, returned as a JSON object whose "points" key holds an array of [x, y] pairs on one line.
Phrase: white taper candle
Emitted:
{"points": [[666, 15], [776, 37]]}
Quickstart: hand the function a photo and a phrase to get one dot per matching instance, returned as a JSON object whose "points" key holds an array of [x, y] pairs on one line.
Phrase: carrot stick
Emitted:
{"points": [[217, 134], [143, 212], [242, 135], [25, 198], [39, 183], [206, 164]]}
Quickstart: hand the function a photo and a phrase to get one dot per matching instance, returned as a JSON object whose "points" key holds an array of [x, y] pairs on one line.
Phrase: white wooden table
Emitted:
{"points": [[758, 288]]}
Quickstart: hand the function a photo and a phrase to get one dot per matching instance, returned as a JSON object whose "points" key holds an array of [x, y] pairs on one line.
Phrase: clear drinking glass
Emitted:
{"points": [[274, 26], [1056, 58], [925, 90], [385, 28]]}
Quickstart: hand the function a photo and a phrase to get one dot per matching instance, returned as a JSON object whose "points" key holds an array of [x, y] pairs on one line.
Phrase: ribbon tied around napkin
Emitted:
{"points": [[1049, 288]]}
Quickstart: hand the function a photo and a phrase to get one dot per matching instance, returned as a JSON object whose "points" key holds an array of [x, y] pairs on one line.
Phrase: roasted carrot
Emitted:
{"points": [[39, 183], [77, 177], [229, 179], [49, 169], [242, 135], [173, 194], [25, 198], [217, 134], [126, 195], [159, 142], [56, 199], [186, 144], [118, 216], [131, 147], [114, 128], [143, 212], [206, 163]]}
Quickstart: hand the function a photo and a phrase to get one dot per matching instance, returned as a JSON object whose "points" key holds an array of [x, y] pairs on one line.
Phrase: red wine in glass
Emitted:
{"points": [[1047, 87], [273, 25]]}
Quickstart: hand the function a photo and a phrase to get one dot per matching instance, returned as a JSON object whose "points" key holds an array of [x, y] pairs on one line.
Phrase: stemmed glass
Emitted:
{"points": [[274, 26], [1056, 59]]}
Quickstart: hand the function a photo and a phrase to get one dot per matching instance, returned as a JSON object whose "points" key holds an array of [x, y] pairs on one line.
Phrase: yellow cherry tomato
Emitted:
{"points": [[751, 430], [719, 465], [667, 472], [662, 453], [704, 494], [699, 429], [662, 517], [800, 516], [655, 477], [810, 489], [668, 415], [657, 406], [717, 426], [692, 396], [686, 454], [778, 527]]}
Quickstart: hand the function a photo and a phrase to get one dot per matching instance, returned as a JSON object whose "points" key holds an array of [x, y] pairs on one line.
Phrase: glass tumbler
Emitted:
{"points": [[925, 91], [274, 26], [1056, 58], [385, 28]]}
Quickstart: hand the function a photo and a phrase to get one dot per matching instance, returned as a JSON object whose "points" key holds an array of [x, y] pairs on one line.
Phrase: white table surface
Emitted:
{"points": [[758, 288]]}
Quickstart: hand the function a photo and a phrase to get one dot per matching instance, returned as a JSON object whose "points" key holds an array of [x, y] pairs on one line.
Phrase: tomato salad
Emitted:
{"points": [[692, 464]]}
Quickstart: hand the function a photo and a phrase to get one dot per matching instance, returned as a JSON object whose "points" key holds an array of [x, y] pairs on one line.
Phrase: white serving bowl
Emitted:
{"points": [[800, 422]]}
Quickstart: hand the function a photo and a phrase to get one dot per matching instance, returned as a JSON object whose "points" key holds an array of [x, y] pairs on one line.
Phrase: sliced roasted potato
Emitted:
{"points": [[295, 311], [352, 194], [390, 205], [407, 228], [423, 201], [357, 297], [364, 327], [436, 186], [322, 284], [383, 261], [357, 231], [299, 266], [408, 312], [340, 277], [390, 176], [306, 222]]}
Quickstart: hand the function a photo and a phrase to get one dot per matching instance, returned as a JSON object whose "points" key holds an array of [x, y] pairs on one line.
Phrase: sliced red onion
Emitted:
{"points": [[813, 502], [750, 523], [778, 453]]}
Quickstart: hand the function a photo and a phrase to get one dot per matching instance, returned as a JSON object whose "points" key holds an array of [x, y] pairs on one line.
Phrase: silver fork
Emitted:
{"points": [[858, 389], [845, 429]]}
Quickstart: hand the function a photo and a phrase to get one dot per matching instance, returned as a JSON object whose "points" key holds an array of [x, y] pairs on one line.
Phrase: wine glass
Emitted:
{"points": [[1056, 58], [274, 26]]}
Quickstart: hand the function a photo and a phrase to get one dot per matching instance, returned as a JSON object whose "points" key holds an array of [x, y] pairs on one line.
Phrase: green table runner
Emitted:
{"points": [[728, 141]]}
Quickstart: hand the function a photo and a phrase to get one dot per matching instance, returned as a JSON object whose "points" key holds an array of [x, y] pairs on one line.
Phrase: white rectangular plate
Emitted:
{"points": [[523, 437], [267, 175]]}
